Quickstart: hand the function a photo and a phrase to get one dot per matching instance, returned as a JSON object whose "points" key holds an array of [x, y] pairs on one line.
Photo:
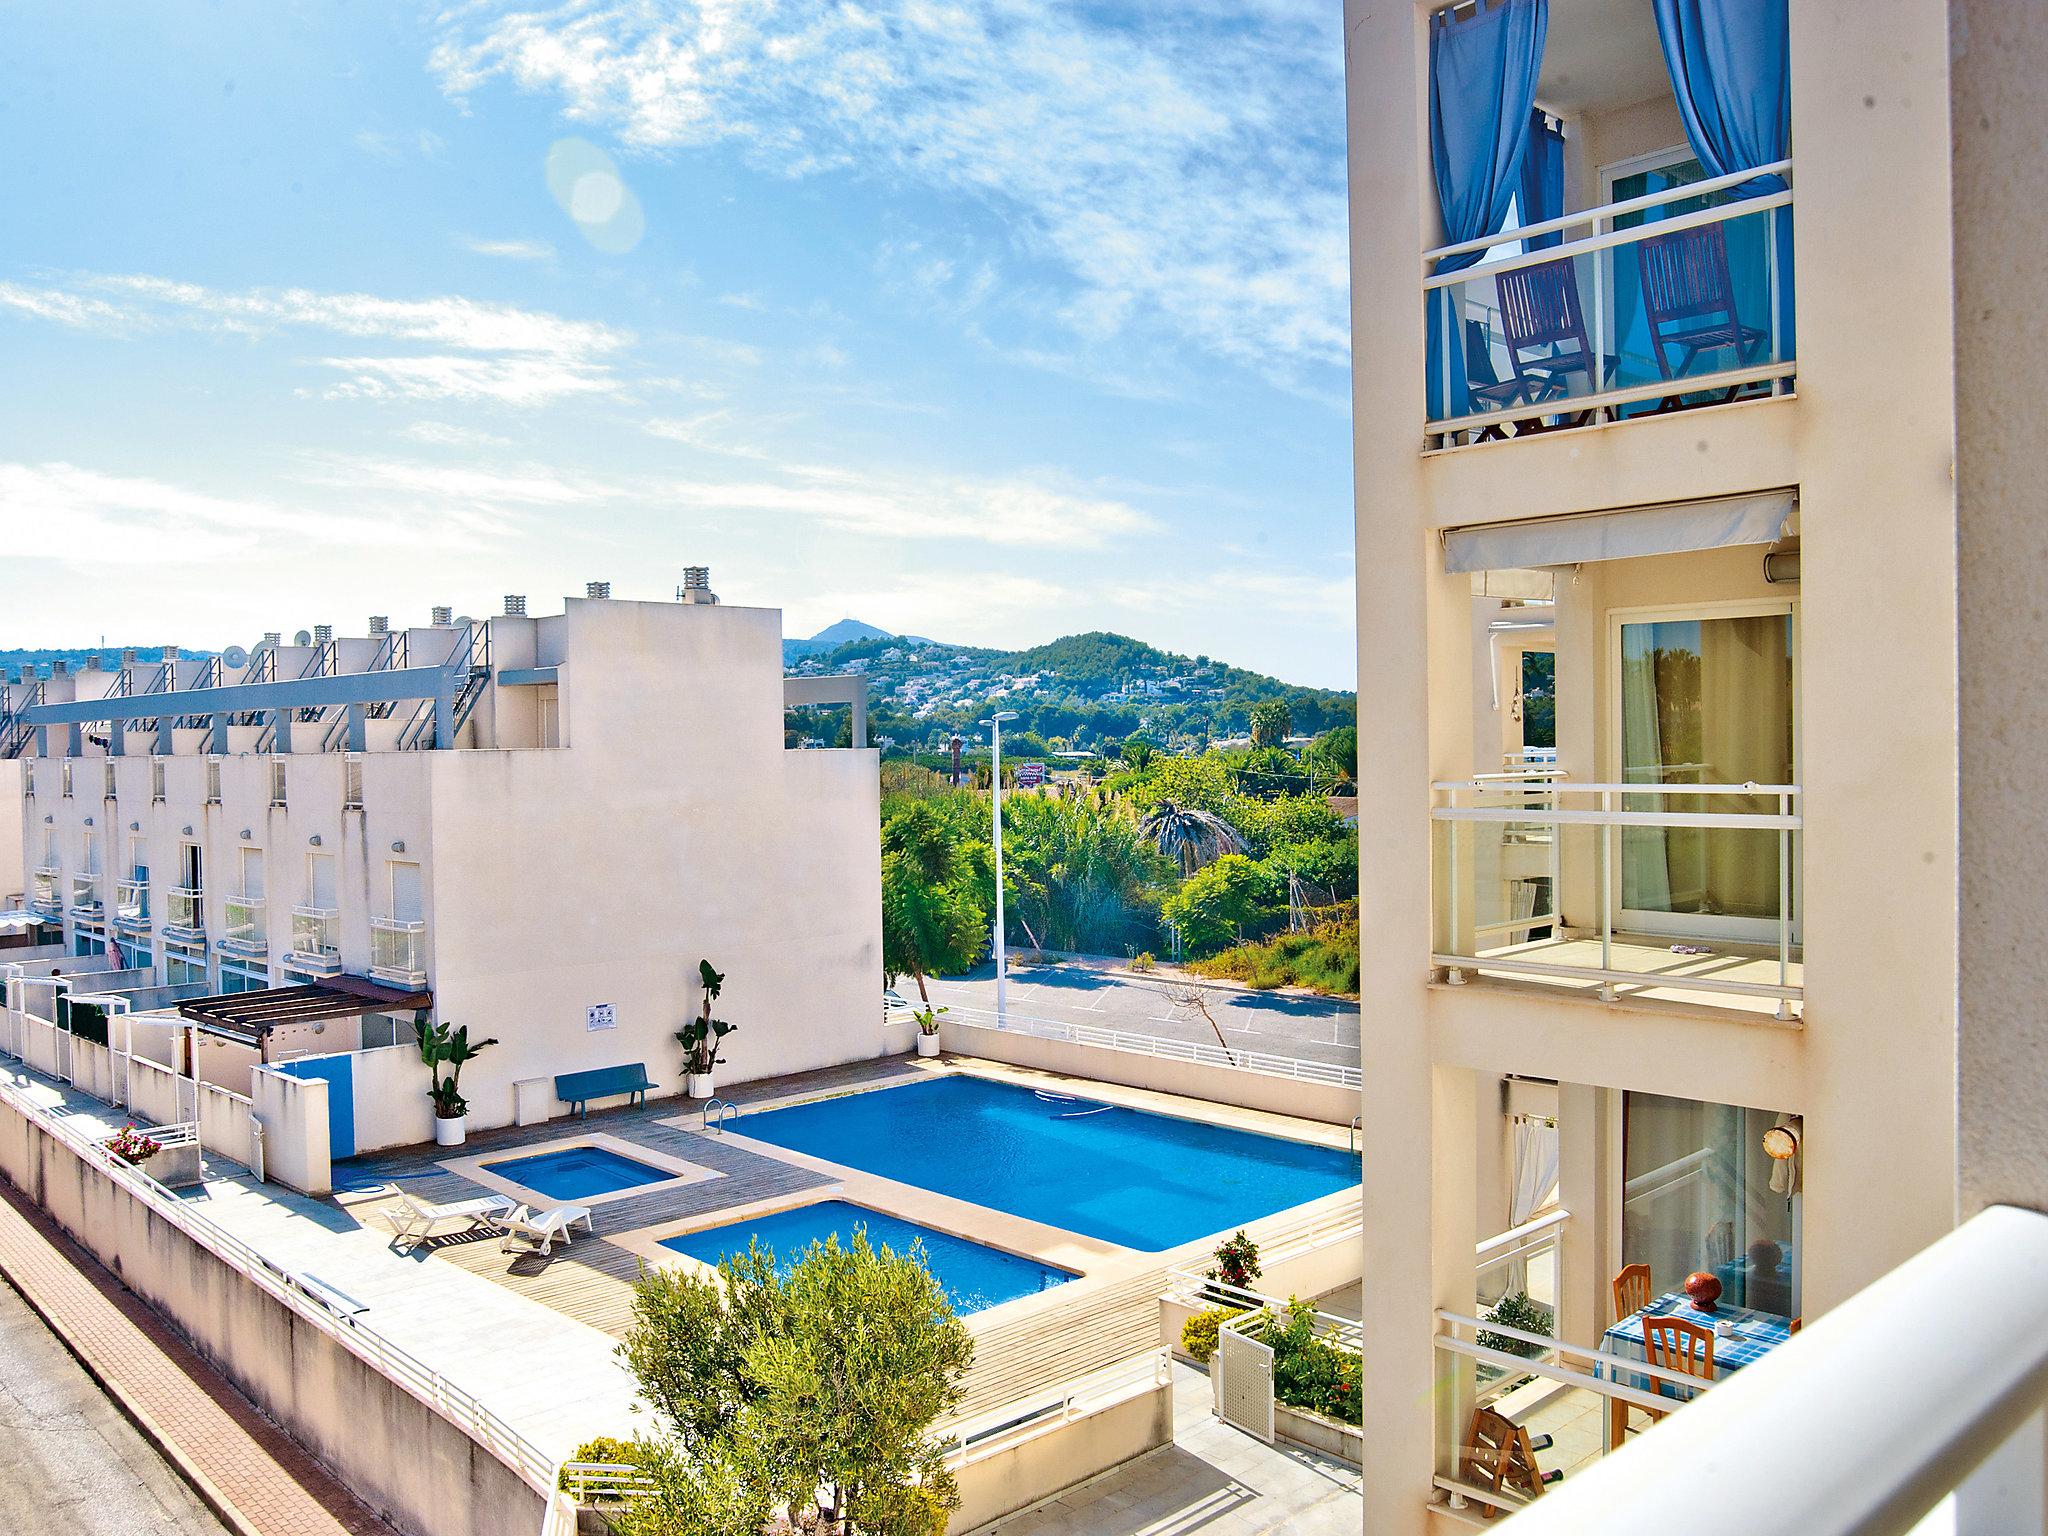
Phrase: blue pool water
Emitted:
{"points": [[577, 1173], [1142, 1180], [974, 1276]]}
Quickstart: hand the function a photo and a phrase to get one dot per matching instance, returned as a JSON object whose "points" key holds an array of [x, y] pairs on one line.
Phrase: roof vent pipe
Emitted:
{"points": [[92, 661], [443, 616], [273, 637], [598, 589], [515, 605], [380, 624], [323, 634], [696, 587]]}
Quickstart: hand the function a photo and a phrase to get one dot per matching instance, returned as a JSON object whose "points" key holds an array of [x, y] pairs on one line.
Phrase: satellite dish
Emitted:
{"points": [[303, 637], [464, 621], [234, 656]]}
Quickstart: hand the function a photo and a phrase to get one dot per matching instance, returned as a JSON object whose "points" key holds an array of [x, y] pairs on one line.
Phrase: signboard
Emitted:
{"points": [[600, 1016], [1030, 775]]}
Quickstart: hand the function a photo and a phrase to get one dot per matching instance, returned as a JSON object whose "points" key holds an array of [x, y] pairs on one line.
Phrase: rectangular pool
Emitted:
{"points": [[974, 1275], [1125, 1176], [578, 1173]]}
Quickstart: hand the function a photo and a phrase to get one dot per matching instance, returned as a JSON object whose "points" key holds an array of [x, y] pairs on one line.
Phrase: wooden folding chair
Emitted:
{"points": [[1501, 1456]]}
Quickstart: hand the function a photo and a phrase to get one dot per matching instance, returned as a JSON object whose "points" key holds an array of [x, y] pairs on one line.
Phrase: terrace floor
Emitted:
{"points": [[1663, 971]]}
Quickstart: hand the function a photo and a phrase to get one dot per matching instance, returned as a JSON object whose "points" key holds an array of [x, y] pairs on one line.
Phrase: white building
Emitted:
{"points": [[532, 826]]}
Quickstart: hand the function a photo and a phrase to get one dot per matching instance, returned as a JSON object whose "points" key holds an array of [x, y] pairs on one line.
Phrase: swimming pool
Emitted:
{"points": [[1126, 1176], [577, 1173], [974, 1275]]}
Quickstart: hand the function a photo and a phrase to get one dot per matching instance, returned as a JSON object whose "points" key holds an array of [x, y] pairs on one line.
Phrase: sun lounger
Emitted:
{"points": [[415, 1219], [539, 1229]]}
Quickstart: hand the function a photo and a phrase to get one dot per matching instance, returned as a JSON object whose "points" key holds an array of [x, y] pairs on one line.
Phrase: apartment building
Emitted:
{"points": [[1654, 373], [535, 826]]}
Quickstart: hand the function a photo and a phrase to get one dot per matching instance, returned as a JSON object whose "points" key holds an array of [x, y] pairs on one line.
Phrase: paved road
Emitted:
{"points": [[68, 1460], [1314, 1028]]}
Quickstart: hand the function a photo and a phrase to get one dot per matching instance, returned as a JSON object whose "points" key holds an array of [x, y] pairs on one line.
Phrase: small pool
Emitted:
{"points": [[974, 1275], [578, 1173], [1126, 1176]]}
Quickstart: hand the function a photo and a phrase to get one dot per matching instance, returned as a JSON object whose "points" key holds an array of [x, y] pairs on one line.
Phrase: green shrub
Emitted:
{"points": [[1143, 961], [1311, 1373], [1517, 1311], [1237, 1261], [1198, 1333], [604, 1448]]}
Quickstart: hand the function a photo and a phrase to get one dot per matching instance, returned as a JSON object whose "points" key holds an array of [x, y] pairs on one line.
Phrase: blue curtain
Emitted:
{"points": [[1730, 64], [1541, 195], [1482, 88]]}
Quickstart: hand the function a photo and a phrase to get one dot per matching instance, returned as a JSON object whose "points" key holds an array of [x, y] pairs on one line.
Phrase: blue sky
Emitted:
{"points": [[991, 322]]}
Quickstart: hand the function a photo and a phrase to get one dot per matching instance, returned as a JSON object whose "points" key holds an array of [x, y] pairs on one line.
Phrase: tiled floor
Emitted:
{"points": [[1213, 1480]]}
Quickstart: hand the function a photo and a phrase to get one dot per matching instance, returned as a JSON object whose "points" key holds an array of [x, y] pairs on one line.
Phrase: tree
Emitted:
{"points": [[927, 929], [1217, 904], [775, 1387], [1137, 751], [1190, 837], [1271, 722]]}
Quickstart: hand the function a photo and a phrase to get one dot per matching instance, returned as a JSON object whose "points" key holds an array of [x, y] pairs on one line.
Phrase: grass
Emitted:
{"points": [[1325, 959]]}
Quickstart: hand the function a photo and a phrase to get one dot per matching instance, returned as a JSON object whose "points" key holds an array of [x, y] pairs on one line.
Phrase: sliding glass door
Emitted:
{"points": [[1705, 698]]}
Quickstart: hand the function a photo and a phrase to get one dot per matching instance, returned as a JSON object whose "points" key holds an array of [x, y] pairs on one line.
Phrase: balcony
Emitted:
{"points": [[85, 896], [316, 942], [131, 905], [185, 912], [1664, 302], [1661, 893], [43, 889], [243, 930], [398, 951]]}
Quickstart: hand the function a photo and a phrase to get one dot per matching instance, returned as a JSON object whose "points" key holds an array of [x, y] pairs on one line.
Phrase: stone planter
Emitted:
{"points": [[451, 1130], [175, 1167], [1316, 1432], [927, 1045]]}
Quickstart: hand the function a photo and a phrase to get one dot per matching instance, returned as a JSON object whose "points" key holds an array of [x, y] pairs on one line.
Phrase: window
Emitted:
{"points": [[107, 777], [191, 867], [156, 780], [252, 873], [380, 1029], [320, 889], [28, 777], [213, 781], [277, 781], [547, 700], [182, 967], [66, 773], [352, 784], [406, 903]]}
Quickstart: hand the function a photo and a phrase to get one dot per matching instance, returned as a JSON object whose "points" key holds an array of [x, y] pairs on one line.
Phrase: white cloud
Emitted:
{"points": [[397, 146], [446, 434], [64, 308], [1294, 594], [720, 431], [526, 485], [512, 250], [1186, 168], [522, 381]]}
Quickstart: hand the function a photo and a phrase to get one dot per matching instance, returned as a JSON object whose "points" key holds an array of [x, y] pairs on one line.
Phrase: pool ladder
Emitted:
{"points": [[715, 1115], [1357, 1127]]}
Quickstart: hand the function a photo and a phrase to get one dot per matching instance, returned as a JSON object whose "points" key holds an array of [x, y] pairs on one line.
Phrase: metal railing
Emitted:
{"points": [[603, 1482], [398, 949], [131, 903], [1509, 1256], [42, 888], [1586, 277], [1025, 1418], [243, 928], [1929, 1381], [85, 893], [1501, 882], [316, 934], [185, 908], [1267, 1063]]}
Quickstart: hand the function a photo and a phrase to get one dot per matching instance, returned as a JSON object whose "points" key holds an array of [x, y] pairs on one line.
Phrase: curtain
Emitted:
{"points": [[1730, 64], [1482, 88], [1645, 864], [1745, 737], [1535, 1168], [1541, 194]]}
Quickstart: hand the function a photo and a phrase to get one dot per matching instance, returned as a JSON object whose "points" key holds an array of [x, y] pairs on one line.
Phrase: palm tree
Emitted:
{"points": [[1190, 837]]}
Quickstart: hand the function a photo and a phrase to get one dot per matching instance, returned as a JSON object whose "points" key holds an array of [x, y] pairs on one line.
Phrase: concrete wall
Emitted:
{"points": [[292, 1112], [225, 1124], [155, 1097], [1036, 1468], [391, 1103], [421, 1472], [1163, 1074]]}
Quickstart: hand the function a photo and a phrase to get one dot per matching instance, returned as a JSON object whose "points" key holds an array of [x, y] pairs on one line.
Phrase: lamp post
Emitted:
{"points": [[995, 724]]}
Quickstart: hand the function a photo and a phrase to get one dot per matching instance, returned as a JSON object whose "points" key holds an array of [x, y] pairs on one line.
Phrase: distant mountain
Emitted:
{"points": [[832, 635]]}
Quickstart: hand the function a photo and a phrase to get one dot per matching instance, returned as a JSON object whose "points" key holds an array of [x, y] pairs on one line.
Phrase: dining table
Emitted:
{"points": [[1742, 1335]]}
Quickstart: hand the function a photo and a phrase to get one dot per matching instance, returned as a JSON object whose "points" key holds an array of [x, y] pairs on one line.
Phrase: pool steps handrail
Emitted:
{"points": [[722, 1110]]}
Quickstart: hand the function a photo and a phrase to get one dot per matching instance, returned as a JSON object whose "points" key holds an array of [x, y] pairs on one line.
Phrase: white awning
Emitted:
{"points": [[1628, 534]]}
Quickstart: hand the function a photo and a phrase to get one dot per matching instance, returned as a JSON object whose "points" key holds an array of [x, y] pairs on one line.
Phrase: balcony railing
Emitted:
{"points": [[398, 951], [43, 888], [131, 903], [316, 941], [85, 894], [1680, 297], [1621, 887], [243, 929], [185, 909]]}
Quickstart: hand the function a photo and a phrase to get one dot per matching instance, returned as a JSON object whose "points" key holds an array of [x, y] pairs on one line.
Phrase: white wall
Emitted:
{"points": [[392, 1107], [293, 1114]]}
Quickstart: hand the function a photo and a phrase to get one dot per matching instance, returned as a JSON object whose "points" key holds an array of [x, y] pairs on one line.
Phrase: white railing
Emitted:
{"points": [[972, 1440], [43, 888], [1538, 1239], [316, 936], [85, 893], [1521, 826], [398, 950], [1194, 1288], [131, 903], [1268, 1063], [185, 908], [1929, 1381], [604, 1482], [244, 930], [459, 1407], [1591, 243]]}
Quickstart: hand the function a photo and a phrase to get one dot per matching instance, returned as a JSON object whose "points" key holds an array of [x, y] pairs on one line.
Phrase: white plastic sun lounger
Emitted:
{"points": [[539, 1229], [415, 1219]]}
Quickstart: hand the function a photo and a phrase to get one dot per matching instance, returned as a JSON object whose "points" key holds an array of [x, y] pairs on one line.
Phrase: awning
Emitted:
{"points": [[1627, 534], [252, 1015]]}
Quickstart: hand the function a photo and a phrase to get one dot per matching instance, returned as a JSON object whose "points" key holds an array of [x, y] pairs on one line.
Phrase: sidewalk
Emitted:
{"points": [[252, 1475]]}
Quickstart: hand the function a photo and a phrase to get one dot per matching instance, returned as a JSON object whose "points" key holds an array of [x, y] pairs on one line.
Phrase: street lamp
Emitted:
{"points": [[995, 724]]}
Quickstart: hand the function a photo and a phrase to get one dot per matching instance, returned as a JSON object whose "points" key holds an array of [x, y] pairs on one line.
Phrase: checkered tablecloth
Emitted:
{"points": [[1755, 1335]]}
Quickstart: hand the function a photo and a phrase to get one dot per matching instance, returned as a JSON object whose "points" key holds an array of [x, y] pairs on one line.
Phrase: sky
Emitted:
{"points": [[989, 322]]}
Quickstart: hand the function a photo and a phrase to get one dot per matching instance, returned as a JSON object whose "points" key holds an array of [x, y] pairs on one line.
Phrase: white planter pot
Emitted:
{"points": [[451, 1131], [702, 1085], [927, 1045]]}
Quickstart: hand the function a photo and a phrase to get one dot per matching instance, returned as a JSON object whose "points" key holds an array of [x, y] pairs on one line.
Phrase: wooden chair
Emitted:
{"points": [[1500, 1456], [1674, 1344], [1631, 1290], [1545, 328], [1720, 1244], [1689, 300]]}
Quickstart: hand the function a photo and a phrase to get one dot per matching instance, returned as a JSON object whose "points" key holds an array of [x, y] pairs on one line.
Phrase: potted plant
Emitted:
{"points": [[703, 1036], [927, 1029], [133, 1146], [444, 1046]]}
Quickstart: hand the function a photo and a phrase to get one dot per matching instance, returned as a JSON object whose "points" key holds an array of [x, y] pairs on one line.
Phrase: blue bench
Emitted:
{"points": [[579, 1088]]}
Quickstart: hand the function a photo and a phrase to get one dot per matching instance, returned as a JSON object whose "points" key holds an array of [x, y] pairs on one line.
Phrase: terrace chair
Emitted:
{"points": [[1720, 1244], [1545, 328], [539, 1229], [414, 1219], [1675, 1344], [1631, 1290], [1500, 1455], [1689, 301]]}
